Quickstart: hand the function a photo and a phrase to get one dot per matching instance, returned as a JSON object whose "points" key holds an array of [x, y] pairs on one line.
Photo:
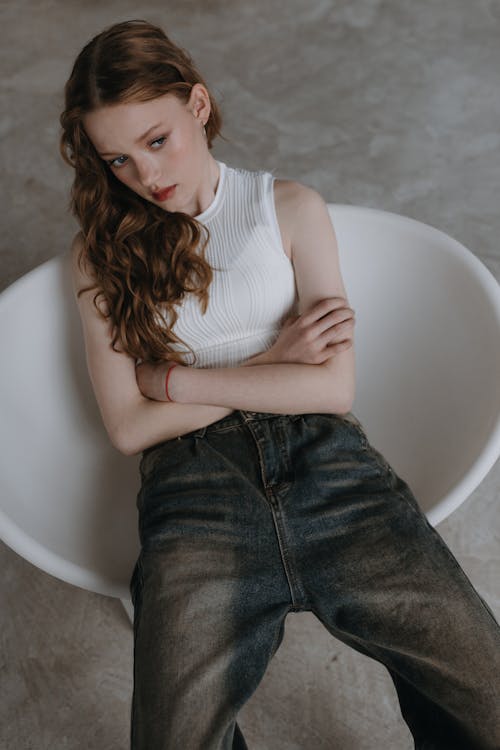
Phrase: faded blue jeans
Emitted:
{"points": [[257, 515]]}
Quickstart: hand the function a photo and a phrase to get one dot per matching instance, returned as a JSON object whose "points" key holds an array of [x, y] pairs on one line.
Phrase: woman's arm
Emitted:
{"points": [[315, 258], [279, 388], [288, 388], [132, 421]]}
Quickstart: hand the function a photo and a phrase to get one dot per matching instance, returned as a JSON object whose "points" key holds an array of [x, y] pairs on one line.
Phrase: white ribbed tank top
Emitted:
{"points": [[253, 288]]}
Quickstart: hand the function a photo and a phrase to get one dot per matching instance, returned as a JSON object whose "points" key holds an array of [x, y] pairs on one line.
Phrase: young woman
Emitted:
{"points": [[219, 343]]}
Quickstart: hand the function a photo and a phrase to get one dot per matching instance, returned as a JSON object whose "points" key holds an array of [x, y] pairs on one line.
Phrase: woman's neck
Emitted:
{"points": [[207, 187]]}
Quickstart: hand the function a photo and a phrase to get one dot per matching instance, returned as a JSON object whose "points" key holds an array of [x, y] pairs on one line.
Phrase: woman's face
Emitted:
{"points": [[150, 146]]}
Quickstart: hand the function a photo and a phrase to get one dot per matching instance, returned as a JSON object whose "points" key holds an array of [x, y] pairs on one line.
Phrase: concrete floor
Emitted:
{"points": [[384, 103]]}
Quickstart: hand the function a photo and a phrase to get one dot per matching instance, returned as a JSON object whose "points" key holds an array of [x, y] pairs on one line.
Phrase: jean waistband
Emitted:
{"points": [[237, 417]]}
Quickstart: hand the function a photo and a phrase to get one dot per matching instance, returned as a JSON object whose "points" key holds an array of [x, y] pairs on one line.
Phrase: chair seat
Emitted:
{"points": [[428, 361], [427, 341]]}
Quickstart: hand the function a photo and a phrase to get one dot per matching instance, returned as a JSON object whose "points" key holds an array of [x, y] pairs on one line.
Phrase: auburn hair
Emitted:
{"points": [[144, 259]]}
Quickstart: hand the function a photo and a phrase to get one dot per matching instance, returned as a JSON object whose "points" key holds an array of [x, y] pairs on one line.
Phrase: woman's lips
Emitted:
{"points": [[162, 195]]}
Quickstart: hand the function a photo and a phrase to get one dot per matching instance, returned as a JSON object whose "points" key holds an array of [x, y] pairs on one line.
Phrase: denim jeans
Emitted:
{"points": [[257, 515]]}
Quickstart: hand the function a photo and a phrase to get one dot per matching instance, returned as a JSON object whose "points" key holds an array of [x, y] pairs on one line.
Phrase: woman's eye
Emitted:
{"points": [[113, 162], [116, 163]]}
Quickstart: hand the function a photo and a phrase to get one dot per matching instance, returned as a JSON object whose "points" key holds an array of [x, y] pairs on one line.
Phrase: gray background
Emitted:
{"points": [[391, 104]]}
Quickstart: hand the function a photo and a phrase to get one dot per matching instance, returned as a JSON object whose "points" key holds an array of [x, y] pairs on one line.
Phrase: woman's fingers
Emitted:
{"points": [[318, 334], [331, 350], [335, 326], [327, 305], [327, 313], [339, 331]]}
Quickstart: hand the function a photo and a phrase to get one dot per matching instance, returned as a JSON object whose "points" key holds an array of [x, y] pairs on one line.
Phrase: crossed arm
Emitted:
{"points": [[286, 388], [132, 399], [282, 388]]}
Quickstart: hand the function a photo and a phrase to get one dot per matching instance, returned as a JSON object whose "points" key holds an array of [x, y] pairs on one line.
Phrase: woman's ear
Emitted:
{"points": [[199, 102]]}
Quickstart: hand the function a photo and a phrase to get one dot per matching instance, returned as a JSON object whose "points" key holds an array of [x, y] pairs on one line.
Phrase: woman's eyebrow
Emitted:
{"points": [[138, 140]]}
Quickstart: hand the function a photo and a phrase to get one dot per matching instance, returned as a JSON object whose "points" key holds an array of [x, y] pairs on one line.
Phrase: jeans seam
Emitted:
{"points": [[278, 631], [420, 513], [226, 429], [355, 424], [454, 561], [217, 430]]}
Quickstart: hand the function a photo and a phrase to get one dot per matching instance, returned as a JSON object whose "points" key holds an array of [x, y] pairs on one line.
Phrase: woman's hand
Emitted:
{"points": [[316, 335], [151, 380]]}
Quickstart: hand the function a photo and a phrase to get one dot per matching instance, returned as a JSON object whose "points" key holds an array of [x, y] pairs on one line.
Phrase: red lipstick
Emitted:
{"points": [[162, 195]]}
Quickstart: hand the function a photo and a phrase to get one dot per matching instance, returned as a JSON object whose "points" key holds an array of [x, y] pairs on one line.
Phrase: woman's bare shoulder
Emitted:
{"points": [[84, 279], [291, 194], [291, 191], [293, 200]]}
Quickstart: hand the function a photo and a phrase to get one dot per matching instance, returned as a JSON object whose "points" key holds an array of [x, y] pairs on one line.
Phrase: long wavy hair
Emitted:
{"points": [[142, 257]]}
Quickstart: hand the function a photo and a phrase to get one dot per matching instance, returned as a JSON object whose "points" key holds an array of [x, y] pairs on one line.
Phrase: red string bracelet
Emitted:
{"points": [[166, 381]]}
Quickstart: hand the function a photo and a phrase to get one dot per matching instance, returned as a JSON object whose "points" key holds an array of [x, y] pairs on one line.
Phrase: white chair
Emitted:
{"points": [[428, 363]]}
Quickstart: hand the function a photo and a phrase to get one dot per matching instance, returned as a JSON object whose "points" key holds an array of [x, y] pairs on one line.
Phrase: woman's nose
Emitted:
{"points": [[148, 173]]}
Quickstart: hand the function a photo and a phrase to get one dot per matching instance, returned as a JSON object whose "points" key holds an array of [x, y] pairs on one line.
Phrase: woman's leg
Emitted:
{"points": [[209, 593], [381, 579]]}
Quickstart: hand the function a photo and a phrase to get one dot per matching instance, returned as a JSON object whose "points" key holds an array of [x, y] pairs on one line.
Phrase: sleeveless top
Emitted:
{"points": [[253, 288]]}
